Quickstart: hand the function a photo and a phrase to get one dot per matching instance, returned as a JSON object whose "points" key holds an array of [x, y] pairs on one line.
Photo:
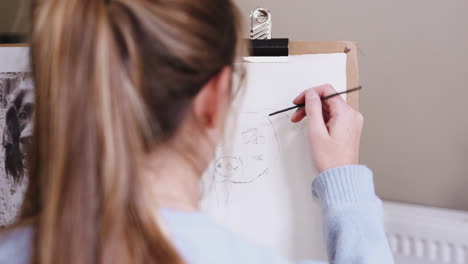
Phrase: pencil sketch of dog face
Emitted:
{"points": [[18, 129]]}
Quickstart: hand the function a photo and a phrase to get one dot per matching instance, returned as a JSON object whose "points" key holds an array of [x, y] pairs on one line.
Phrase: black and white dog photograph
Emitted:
{"points": [[16, 105]]}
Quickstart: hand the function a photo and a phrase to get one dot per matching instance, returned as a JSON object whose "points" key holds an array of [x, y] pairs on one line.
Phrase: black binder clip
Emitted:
{"points": [[12, 38], [263, 48]]}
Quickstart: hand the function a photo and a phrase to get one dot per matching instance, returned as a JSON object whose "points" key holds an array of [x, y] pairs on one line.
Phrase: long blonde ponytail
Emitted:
{"points": [[104, 73]]}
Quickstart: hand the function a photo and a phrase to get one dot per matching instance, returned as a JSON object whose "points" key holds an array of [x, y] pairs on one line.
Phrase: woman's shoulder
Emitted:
{"points": [[15, 245]]}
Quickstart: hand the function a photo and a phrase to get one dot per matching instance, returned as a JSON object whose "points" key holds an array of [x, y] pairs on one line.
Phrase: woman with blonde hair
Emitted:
{"points": [[131, 101]]}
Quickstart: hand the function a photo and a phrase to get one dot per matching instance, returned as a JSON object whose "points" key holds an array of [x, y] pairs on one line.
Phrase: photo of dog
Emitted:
{"points": [[16, 109], [18, 129]]}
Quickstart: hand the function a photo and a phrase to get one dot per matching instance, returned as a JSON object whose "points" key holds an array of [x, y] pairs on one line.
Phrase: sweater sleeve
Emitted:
{"points": [[352, 216]]}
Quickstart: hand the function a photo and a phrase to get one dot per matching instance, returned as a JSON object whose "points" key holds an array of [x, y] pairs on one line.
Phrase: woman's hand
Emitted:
{"points": [[334, 128]]}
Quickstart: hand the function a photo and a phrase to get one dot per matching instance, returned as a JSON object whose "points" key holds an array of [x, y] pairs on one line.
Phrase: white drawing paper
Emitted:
{"points": [[261, 188]]}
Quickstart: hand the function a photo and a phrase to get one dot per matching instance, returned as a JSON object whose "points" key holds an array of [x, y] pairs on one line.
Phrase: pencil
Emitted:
{"points": [[322, 99]]}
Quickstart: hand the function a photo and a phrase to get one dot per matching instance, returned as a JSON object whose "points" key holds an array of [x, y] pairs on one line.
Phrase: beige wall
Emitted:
{"points": [[414, 69], [12, 15]]}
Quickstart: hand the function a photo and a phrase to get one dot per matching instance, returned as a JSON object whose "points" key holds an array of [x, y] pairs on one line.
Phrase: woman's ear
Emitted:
{"points": [[212, 102]]}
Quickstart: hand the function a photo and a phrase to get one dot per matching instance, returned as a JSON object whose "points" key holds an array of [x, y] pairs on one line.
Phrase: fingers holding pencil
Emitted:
{"points": [[333, 127], [322, 91]]}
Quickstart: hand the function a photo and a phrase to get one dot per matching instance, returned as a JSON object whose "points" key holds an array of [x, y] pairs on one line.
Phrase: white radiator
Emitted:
{"points": [[426, 235]]}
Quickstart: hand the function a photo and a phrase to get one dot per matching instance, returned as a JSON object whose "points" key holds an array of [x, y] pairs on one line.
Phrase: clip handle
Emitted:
{"points": [[261, 24]]}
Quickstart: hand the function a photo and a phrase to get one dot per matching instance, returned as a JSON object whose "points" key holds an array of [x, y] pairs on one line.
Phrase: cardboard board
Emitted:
{"points": [[240, 183], [348, 47]]}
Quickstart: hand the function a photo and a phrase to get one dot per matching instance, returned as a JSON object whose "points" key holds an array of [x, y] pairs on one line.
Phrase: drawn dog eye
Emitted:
{"points": [[22, 116]]}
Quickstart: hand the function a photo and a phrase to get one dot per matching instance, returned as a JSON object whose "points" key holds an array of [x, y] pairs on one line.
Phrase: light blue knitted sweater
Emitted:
{"points": [[351, 212]]}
